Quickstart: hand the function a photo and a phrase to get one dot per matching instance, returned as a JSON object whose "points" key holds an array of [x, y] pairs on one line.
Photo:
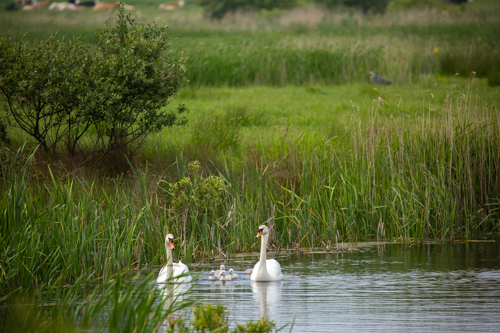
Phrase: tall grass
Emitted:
{"points": [[71, 228], [116, 305], [434, 176]]}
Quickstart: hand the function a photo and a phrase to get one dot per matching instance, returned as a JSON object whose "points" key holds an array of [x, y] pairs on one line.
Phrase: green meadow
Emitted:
{"points": [[282, 109]]}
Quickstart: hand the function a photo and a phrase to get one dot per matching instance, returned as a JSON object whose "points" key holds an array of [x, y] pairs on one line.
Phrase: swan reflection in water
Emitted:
{"points": [[175, 292], [175, 295], [268, 296]]}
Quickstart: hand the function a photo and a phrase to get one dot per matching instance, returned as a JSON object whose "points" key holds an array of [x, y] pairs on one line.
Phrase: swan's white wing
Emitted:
{"points": [[274, 269], [253, 276], [180, 274], [162, 276]]}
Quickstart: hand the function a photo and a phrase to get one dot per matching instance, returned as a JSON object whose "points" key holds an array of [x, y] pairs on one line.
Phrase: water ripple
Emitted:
{"points": [[432, 289]]}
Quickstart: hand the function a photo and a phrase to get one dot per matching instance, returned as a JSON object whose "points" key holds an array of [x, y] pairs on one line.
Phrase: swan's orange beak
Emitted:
{"points": [[171, 242], [259, 233]]}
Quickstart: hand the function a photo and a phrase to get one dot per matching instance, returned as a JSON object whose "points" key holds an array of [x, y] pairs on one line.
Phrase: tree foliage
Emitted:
{"points": [[60, 90], [218, 8], [42, 86], [135, 79]]}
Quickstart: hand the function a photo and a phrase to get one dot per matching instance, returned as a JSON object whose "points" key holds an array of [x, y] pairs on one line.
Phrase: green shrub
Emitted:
{"points": [[44, 87], [134, 78], [57, 90], [259, 326], [210, 318], [195, 194]]}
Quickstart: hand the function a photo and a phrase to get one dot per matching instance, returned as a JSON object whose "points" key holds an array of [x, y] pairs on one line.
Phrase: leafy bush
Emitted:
{"points": [[57, 90], [373, 6], [43, 87], [195, 193], [210, 318], [218, 8], [133, 81]]}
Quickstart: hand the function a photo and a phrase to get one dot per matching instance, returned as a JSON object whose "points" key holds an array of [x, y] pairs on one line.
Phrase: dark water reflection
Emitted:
{"points": [[437, 288]]}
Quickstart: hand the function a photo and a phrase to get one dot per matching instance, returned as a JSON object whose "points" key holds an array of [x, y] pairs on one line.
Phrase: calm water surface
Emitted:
{"points": [[437, 288]]}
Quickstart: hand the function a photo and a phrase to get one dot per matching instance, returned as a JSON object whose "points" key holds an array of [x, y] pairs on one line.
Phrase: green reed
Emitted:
{"points": [[70, 228], [117, 305], [277, 60], [430, 176]]}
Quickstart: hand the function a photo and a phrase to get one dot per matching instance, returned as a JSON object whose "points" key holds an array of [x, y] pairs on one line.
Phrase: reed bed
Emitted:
{"points": [[433, 176], [70, 228], [117, 305], [237, 61]]}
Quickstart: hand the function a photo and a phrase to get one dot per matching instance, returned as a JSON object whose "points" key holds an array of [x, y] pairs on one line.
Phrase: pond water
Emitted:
{"points": [[388, 288]]}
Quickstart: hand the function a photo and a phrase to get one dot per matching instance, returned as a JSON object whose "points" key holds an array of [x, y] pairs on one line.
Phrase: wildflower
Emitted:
{"points": [[436, 50]]}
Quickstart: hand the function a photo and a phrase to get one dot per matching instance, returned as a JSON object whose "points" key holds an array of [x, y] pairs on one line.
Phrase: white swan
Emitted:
{"points": [[265, 270], [219, 272], [212, 276], [224, 276], [232, 274], [173, 272]]}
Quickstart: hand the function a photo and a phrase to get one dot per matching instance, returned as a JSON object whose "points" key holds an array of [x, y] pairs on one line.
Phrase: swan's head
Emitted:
{"points": [[263, 230], [231, 271], [223, 273], [170, 241], [222, 267], [212, 273]]}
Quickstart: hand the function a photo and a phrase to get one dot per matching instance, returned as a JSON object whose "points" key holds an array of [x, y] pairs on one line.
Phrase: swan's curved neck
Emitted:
{"points": [[263, 248], [170, 259]]}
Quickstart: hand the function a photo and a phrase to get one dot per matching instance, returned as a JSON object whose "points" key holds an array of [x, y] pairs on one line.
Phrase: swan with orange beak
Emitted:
{"points": [[265, 269], [173, 272]]}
